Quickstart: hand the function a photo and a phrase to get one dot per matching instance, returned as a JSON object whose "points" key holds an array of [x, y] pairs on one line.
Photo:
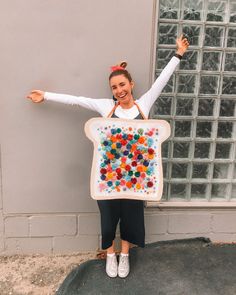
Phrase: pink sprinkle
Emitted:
{"points": [[122, 182], [102, 186]]}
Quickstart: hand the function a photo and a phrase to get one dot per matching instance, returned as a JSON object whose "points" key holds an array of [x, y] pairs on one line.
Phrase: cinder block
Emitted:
{"points": [[1, 245], [0, 190], [89, 224], [28, 246], [1, 224], [156, 223], [16, 226], [224, 222], [189, 223], [117, 243], [118, 229], [83, 243], [152, 238], [58, 225], [222, 238]]}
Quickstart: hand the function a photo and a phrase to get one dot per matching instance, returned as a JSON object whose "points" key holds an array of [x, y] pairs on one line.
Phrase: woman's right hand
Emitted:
{"points": [[36, 96]]}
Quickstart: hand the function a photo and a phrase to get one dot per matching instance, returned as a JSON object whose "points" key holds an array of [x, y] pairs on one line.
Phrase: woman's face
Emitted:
{"points": [[121, 88]]}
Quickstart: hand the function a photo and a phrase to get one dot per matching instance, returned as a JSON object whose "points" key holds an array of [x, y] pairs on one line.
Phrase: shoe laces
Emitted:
{"points": [[124, 261], [112, 261]]}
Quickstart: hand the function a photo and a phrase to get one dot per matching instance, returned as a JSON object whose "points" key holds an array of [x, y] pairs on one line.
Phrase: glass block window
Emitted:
{"points": [[199, 101]]}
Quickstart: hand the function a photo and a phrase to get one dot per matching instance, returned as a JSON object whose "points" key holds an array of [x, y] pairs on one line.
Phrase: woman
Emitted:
{"points": [[130, 213]]}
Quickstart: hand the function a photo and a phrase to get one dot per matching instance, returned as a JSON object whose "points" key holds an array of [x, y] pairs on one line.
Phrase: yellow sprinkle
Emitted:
{"points": [[138, 186], [109, 175]]}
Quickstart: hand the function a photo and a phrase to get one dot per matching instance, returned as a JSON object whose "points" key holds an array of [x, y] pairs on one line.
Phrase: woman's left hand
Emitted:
{"points": [[182, 45]]}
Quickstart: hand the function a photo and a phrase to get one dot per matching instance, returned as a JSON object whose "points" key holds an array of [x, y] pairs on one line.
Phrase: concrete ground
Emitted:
{"points": [[37, 274], [184, 267]]}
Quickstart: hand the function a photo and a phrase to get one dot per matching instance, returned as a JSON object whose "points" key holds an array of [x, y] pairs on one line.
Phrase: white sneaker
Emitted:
{"points": [[111, 265], [123, 268]]}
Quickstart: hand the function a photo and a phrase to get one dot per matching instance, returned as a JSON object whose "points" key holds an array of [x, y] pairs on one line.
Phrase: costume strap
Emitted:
{"points": [[113, 110], [116, 105], [142, 114]]}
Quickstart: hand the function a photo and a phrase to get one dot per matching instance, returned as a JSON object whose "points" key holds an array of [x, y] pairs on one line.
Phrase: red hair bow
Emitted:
{"points": [[116, 68]]}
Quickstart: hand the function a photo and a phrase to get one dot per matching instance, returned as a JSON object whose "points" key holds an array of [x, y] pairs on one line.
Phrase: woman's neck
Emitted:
{"points": [[127, 105]]}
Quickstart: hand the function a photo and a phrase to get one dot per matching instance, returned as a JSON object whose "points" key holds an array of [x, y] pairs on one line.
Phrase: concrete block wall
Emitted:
{"points": [[217, 224], [68, 233], [52, 233]]}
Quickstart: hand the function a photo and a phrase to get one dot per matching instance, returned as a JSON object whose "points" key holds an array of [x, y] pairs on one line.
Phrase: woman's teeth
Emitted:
{"points": [[121, 96]]}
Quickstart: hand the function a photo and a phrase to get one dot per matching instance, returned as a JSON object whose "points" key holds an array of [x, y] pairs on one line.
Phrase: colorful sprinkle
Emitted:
{"points": [[127, 159]]}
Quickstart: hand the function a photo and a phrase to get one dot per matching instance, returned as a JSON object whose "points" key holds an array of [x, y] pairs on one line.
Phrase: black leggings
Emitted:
{"points": [[131, 216]]}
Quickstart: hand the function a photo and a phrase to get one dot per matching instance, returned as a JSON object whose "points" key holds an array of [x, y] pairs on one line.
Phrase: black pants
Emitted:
{"points": [[131, 216]]}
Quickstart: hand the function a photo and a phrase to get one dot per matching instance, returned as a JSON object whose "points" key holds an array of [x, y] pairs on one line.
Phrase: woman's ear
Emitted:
{"points": [[132, 87]]}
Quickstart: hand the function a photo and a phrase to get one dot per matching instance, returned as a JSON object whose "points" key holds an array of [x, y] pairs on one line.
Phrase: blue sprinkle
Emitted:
{"points": [[145, 163], [140, 157], [109, 183], [126, 153], [128, 146]]}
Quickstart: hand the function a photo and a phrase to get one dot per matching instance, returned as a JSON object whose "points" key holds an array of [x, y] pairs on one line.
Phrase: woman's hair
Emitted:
{"points": [[120, 69]]}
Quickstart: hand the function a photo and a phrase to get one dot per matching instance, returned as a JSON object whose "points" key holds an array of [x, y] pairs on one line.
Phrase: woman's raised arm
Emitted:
{"points": [[148, 99], [101, 105]]}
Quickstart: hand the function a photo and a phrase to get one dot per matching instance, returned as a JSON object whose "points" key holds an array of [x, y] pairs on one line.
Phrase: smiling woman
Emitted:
{"points": [[122, 85], [130, 213], [122, 90]]}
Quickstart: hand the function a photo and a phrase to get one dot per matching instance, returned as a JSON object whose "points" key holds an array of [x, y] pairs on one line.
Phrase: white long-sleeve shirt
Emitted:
{"points": [[104, 105]]}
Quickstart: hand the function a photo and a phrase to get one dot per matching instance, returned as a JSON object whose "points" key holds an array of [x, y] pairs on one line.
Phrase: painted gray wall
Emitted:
{"points": [[67, 47]]}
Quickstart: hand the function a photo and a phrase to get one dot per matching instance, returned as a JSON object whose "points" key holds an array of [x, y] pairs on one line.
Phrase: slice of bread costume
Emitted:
{"points": [[127, 158]]}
